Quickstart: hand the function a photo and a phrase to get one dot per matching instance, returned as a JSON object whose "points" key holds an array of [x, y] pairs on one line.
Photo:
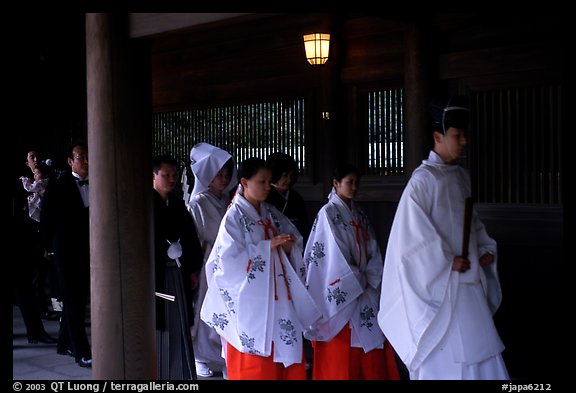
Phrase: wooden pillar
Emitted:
{"points": [[331, 146], [121, 242], [328, 116], [417, 138]]}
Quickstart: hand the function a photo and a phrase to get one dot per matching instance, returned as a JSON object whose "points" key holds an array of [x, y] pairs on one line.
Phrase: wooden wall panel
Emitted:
{"points": [[230, 64], [496, 60], [365, 49], [373, 50]]}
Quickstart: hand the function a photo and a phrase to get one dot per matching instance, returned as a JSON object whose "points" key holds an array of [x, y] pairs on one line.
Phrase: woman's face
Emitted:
{"points": [[348, 187], [257, 188], [220, 181], [285, 182]]}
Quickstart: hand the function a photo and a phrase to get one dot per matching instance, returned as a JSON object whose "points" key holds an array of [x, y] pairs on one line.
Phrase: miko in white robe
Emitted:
{"points": [[439, 320], [256, 299], [344, 277], [207, 210]]}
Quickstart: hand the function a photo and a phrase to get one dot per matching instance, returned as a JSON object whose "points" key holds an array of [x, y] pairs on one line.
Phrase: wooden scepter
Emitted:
{"points": [[467, 226], [165, 296]]}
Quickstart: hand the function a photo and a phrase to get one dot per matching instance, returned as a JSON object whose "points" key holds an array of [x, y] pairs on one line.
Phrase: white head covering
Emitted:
{"points": [[206, 161]]}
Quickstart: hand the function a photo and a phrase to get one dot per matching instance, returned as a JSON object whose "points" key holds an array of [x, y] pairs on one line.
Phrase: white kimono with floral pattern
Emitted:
{"points": [[344, 274], [256, 295]]}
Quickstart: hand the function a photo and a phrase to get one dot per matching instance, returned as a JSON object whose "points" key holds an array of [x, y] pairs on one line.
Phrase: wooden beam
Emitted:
{"points": [[148, 24], [499, 60]]}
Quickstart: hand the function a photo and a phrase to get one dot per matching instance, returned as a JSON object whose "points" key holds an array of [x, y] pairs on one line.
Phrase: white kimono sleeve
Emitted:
{"points": [[366, 332], [330, 280], [490, 280], [238, 301]]}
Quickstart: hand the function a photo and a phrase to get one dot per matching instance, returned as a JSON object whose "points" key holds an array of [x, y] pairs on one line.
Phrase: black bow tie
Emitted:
{"points": [[82, 182]]}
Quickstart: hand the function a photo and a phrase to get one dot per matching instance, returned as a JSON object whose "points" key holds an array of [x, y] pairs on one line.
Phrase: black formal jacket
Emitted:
{"points": [[65, 227], [294, 209], [172, 221]]}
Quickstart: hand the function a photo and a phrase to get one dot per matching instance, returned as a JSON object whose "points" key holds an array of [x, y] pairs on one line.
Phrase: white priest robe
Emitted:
{"points": [[438, 320], [344, 274], [207, 211], [257, 295]]}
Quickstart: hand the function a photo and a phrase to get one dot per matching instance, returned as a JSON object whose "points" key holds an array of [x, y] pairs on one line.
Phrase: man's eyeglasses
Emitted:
{"points": [[80, 157]]}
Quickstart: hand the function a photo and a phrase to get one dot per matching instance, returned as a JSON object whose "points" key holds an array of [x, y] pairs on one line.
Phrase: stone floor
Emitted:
{"points": [[41, 362]]}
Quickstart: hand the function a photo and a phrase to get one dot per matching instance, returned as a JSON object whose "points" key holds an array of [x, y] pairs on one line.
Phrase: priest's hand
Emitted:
{"points": [[194, 280], [460, 264], [48, 255], [486, 259]]}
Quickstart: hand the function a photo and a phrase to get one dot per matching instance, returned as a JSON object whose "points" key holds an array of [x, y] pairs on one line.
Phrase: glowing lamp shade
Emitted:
{"points": [[317, 46]]}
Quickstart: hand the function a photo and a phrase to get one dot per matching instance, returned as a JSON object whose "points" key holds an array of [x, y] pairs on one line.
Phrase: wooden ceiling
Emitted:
{"points": [[149, 24]]}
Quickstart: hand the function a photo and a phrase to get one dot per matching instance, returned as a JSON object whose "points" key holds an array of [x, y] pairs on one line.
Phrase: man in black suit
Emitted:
{"points": [[65, 229]]}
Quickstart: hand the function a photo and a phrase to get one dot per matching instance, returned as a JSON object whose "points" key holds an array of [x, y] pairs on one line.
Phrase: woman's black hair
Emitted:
{"points": [[250, 166], [342, 170], [281, 163]]}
